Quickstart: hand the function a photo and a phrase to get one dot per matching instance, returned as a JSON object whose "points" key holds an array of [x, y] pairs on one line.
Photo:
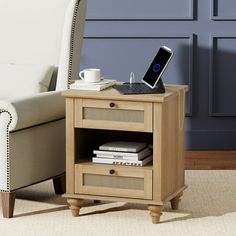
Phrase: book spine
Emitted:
{"points": [[138, 155], [93, 87], [115, 153], [118, 157], [122, 162], [106, 86], [116, 149]]}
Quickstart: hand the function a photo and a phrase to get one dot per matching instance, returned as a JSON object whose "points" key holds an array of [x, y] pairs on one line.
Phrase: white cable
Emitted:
{"points": [[132, 78], [181, 93]]}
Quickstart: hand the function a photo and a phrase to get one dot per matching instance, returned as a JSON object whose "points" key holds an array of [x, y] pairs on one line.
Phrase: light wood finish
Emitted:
{"points": [[114, 199], [161, 124], [210, 160], [171, 196], [168, 136], [127, 181], [70, 145], [157, 152], [8, 203], [155, 212], [171, 141], [175, 201], [75, 205], [79, 113], [110, 93], [99, 114]]}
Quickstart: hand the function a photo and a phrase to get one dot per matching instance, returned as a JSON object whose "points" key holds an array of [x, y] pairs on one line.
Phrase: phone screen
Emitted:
{"points": [[157, 67]]}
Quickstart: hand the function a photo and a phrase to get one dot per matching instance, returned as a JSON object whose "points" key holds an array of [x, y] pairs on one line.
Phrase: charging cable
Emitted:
{"points": [[132, 78], [181, 98]]}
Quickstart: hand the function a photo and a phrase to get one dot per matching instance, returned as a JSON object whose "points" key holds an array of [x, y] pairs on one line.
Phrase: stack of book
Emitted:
{"points": [[98, 86], [123, 153]]}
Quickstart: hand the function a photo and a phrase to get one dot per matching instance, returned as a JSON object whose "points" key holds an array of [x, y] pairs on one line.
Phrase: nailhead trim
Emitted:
{"points": [[8, 158], [72, 43]]}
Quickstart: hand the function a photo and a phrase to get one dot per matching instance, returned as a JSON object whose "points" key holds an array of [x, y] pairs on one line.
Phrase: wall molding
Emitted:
{"points": [[207, 139], [213, 44], [214, 13], [192, 47], [192, 15]]}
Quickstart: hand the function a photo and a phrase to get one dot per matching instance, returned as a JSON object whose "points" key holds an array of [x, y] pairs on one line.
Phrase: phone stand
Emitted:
{"points": [[159, 88]]}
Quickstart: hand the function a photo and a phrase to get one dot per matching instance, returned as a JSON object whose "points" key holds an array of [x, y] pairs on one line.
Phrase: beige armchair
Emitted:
{"points": [[32, 112]]}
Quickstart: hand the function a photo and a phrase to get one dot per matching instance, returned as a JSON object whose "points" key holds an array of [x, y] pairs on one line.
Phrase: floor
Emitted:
{"points": [[208, 207]]}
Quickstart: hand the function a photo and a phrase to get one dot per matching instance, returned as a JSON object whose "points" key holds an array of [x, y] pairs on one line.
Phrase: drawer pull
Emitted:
{"points": [[112, 172], [112, 104]]}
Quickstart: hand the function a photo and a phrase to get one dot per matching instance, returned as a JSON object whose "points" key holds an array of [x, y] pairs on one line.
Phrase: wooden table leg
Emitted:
{"points": [[155, 212], [175, 201], [75, 205]]}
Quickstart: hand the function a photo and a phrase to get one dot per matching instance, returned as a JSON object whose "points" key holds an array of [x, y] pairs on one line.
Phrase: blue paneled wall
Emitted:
{"points": [[124, 36]]}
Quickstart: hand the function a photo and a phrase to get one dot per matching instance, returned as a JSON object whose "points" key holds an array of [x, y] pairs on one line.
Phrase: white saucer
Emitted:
{"points": [[102, 81]]}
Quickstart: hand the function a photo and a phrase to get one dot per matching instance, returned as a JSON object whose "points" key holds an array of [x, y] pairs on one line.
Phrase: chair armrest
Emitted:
{"points": [[8, 116], [33, 110]]}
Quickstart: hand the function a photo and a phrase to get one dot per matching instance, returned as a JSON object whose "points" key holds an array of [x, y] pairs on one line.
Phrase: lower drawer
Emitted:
{"points": [[110, 180]]}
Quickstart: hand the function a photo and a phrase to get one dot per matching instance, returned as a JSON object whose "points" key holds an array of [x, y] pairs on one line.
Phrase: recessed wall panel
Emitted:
{"points": [[223, 76], [118, 56], [223, 9], [139, 9]]}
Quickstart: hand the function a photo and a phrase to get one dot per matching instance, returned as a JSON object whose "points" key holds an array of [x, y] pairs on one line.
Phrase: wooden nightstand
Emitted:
{"points": [[93, 118]]}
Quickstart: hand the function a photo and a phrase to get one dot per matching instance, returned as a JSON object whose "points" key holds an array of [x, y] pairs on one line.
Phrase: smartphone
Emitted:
{"points": [[157, 66]]}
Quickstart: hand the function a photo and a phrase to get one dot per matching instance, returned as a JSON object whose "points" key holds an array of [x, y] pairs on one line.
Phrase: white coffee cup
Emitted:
{"points": [[90, 75]]}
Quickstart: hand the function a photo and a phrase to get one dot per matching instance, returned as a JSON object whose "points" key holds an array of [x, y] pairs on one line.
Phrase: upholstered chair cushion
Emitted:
{"points": [[33, 110], [18, 81]]}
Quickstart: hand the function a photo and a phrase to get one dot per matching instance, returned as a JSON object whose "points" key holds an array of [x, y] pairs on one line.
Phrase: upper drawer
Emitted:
{"points": [[115, 115]]}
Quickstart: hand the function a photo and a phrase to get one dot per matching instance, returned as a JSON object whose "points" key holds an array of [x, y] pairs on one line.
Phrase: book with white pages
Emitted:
{"points": [[112, 154], [96, 86], [122, 162], [122, 146], [121, 157]]}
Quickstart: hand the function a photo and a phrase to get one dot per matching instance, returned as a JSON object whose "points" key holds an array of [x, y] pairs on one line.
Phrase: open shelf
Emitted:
{"points": [[88, 140]]}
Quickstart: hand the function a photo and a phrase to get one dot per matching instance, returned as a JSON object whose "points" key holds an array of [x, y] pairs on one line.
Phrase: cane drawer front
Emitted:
{"points": [[113, 114], [113, 180]]}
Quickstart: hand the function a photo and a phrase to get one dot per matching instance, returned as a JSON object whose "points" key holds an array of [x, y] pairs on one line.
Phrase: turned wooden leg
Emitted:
{"points": [[155, 212], [60, 184], [75, 205], [175, 201], [8, 203]]}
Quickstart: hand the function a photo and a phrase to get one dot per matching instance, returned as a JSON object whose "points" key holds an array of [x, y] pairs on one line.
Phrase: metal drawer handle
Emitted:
{"points": [[112, 104], [112, 172]]}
